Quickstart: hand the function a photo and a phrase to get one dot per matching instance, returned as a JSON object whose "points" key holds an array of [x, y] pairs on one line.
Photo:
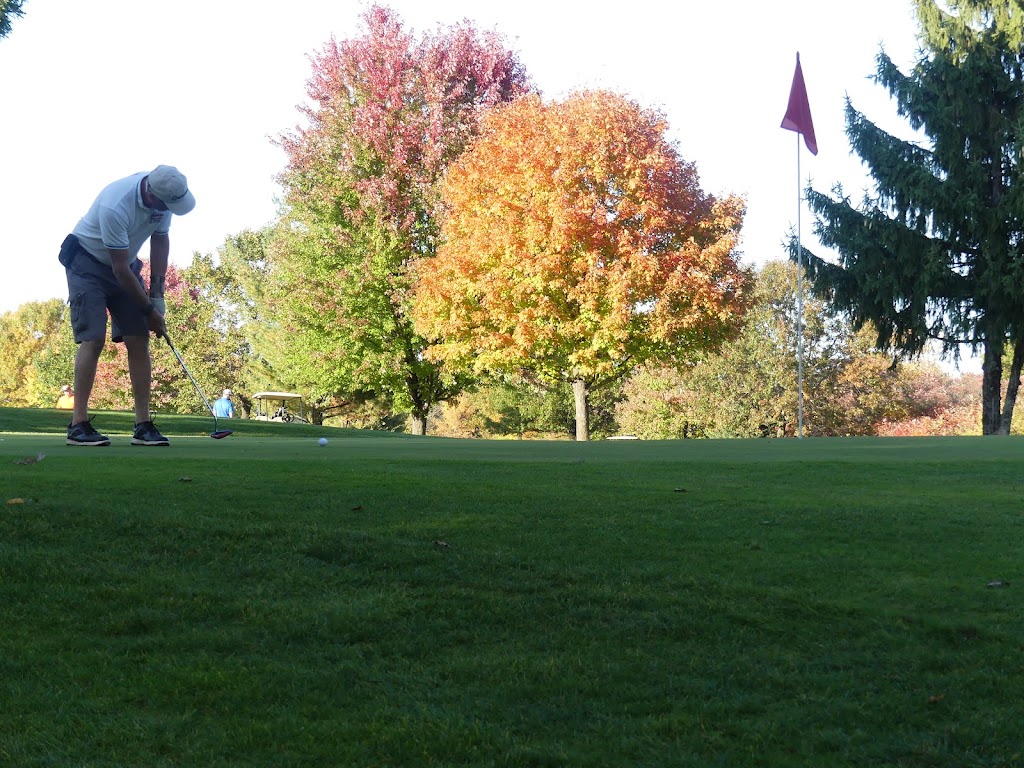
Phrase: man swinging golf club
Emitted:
{"points": [[100, 257]]}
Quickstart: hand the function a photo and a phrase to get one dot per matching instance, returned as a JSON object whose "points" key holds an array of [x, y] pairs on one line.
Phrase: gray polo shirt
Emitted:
{"points": [[118, 219]]}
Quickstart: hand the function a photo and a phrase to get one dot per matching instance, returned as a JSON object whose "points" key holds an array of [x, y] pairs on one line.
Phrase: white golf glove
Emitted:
{"points": [[160, 304]]}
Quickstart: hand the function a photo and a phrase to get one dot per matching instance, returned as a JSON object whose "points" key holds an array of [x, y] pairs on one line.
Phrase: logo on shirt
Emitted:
{"points": [[155, 217]]}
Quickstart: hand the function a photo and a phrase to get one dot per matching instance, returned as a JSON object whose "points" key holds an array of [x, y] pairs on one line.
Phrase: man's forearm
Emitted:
{"points": [[159, 250], [128, 281], [121, 265]]}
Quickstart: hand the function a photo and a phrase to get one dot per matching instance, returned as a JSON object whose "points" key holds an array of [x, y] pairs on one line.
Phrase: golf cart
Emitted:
{"points": [[278, 406]]}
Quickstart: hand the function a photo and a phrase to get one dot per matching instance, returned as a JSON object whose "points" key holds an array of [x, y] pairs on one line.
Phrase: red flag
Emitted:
{"points": [[798, 113]]}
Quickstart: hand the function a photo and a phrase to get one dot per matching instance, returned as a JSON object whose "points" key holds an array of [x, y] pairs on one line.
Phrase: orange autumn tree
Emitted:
{"points": [[577, 244]]}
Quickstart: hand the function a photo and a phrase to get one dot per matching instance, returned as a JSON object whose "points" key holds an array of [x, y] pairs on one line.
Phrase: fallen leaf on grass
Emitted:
{"points": [[31, 459], [185, 479], [936, 699], [679, 490], [998, 583], [357, 508], [440, 544], [15, 501]]}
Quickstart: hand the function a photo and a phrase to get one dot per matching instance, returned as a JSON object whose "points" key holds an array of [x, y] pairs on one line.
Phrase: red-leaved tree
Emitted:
{"points": [[388, 114]]}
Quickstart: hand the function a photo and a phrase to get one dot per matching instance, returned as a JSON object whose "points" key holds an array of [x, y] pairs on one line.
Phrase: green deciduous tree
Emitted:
{"points": [[513, 407], [749, 387], [251, 295], [244, 286], [522, 406], [38, 352], [27, 332], [54, 362], [936, 251], [215, 348], [389, 113], [658, 404]]}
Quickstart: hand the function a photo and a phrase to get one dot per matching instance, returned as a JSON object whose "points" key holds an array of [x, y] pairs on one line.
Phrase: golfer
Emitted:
{"points": [[223, 408], [66, 400], [100, 257]]}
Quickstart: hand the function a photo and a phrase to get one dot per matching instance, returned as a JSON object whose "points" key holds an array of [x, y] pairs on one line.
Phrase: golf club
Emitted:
{"points": [[217, 434]]}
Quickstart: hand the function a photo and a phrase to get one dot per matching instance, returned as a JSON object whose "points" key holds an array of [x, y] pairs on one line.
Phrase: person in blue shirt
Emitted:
{"points": [[223, 408]]}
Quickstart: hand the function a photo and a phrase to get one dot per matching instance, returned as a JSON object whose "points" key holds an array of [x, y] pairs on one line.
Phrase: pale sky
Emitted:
{"points": [[94, 91]]}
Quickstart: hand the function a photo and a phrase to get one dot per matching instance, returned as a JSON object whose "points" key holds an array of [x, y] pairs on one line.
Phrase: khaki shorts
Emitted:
{"points": [[93, 291]]}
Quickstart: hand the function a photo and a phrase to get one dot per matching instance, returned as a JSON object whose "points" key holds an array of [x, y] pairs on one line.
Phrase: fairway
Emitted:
{"points": [[387, 600]]}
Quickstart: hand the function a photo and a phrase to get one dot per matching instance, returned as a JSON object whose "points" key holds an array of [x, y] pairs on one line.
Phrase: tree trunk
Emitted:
{"points": [[1012, 384], [991, 387], [579, 392], [419, 423], [420, 408]]}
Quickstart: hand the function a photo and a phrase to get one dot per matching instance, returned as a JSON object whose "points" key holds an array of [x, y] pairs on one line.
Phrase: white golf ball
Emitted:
{"points": [[323, 441]]}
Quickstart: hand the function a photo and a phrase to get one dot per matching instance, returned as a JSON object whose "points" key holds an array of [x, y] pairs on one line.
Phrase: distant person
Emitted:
{"points": [[100, 257], [66, 400], [223, 408]]}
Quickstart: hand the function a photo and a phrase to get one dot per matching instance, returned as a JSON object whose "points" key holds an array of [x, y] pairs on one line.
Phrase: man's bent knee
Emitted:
{"points": [[91, 347], [136, 344]]}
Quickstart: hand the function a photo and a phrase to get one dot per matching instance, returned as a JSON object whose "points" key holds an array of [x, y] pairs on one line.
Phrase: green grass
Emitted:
{"points": [[263, 601]]}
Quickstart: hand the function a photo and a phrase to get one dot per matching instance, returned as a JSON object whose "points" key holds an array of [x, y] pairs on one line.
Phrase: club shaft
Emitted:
{"points": [[193, 380]]}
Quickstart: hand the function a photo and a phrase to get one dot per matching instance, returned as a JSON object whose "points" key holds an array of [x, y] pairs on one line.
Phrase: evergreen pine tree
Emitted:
{"points": [[9, 9], [937, 251]]}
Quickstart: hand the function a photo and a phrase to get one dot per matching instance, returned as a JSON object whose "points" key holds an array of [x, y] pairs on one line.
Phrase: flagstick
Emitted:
{"points": [[799, 304], [798, 118]]}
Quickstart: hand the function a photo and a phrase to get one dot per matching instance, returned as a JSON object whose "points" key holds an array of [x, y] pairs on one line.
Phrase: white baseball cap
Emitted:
{"points": [[169, 185], [226, 393]]}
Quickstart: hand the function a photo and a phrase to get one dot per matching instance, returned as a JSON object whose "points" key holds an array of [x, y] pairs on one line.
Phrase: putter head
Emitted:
{"points": [[221, 433]]}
